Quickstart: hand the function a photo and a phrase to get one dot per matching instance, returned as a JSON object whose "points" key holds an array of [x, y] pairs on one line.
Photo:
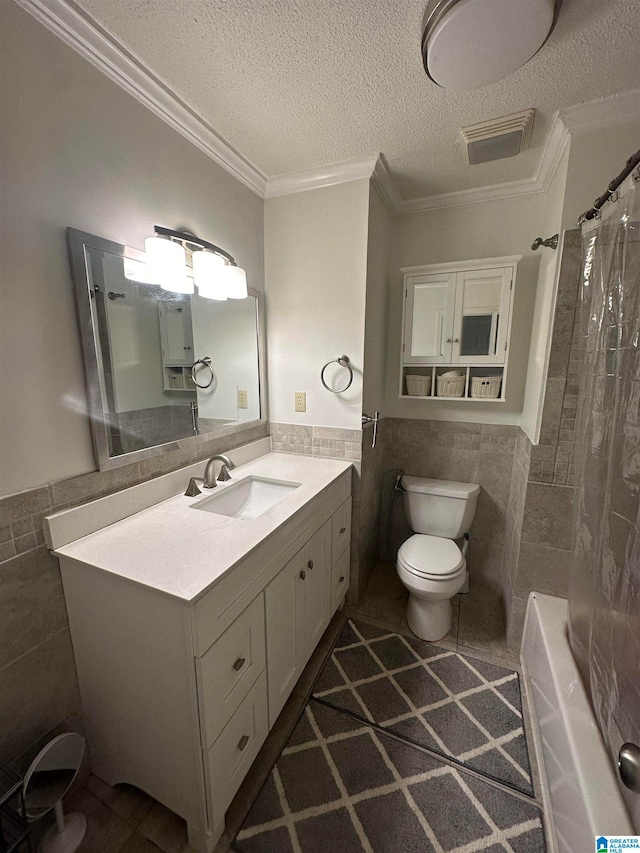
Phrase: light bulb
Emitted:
{"points": [[235, 282], [167, 263], [207, 274]]}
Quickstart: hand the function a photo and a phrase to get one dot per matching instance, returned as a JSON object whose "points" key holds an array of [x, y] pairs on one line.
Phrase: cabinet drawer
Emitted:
{"points": [[229, 669], [340, 530], [340, 576], [232, 754]]}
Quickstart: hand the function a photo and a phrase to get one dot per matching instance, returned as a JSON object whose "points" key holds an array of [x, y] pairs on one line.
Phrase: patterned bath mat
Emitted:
{"points": [[340, 785], [454, 705]]}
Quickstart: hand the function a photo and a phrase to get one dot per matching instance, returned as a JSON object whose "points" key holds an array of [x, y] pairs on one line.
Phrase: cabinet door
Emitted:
{"points": [[286, 636], [481, 322], [176, 333], [317, 586], [428, 318]]}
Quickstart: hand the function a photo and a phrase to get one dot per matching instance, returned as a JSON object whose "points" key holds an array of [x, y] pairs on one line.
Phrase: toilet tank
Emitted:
{"points": [[439, 507]]}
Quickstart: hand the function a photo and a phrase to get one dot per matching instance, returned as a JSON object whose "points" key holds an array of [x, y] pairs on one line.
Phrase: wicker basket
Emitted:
{"points": [[451, 385], [418, 385], [486, 386]]}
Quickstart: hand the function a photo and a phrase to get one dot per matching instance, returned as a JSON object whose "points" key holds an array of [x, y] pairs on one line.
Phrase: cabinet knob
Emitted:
{"points": [[310, 564], [341, 580], [456, 340], [244, 740], [303, 575], [342, 529], [448, 340], [239, 664]]}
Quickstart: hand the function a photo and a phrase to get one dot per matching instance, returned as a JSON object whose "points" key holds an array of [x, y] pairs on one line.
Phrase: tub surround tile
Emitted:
{"points": [[548, 516], [541, 568]]}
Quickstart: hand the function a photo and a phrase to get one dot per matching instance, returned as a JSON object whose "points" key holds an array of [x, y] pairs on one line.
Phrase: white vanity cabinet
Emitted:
{"points": [[300, 602], [178, 696]]}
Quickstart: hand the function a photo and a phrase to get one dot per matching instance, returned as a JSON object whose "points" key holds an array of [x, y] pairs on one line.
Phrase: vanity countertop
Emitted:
{"points": [[181, 552]]}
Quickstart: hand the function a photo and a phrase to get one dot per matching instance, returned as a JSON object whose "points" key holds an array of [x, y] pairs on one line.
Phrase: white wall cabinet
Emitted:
{"points": [[176, 339], [457, 316], [179, 698]]}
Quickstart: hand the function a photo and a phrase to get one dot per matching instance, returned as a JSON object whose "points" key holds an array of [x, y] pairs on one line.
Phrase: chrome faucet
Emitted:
{"points": [[209, 479], [209, 471]]}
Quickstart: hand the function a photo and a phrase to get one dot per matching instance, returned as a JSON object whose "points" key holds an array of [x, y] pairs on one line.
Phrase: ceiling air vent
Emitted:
{"points": [[497, 138]]}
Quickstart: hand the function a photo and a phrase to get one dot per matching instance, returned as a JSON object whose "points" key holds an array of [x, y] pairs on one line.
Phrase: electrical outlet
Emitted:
{"points": [[242, 400], [300, 401]]}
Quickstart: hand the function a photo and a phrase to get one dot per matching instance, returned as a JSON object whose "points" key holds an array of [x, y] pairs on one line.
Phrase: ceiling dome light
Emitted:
{"points": [[167, 264], [208, 275], [467, 44], [235, 282]]}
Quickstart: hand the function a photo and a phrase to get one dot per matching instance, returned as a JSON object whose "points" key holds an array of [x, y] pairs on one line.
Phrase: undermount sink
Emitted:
{"points": [[248, 498]]}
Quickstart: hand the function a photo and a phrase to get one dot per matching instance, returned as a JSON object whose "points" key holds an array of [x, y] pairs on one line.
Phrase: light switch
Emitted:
{"points": [[300, 401], [242, 400]]}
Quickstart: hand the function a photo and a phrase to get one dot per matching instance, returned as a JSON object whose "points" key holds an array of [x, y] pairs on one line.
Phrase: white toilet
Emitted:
{"points": [[430, 564]]}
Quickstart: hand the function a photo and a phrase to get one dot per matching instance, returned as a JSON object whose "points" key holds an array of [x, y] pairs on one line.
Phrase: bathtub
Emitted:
{"points": [[579, 787]]}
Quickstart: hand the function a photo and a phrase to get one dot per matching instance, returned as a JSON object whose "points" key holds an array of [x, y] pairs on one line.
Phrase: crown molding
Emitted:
{"points": [[554, 148], [322, 176], [595, 115], [104, 52], [383, 181], [463, 198], [98, 47]]}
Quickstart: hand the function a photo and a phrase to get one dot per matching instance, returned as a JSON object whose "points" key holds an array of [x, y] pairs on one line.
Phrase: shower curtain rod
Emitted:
{"points": [[632, 162]]}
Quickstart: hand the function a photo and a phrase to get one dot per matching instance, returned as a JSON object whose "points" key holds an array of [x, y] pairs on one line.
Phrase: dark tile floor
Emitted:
{"points": [[478, 617]]}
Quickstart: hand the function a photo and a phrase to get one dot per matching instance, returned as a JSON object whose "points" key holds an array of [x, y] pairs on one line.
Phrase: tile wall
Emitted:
{"points": [[540, 505], [353, 445], [472, 453], [38, 686], [141, 428]]}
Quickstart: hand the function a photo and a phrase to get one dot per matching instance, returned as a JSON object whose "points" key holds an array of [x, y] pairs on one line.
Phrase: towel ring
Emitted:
{"points": [[343, 361], [205, 362]]}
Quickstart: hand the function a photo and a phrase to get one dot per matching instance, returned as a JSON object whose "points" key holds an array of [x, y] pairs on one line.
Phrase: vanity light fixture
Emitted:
{"points": [[214, 271]]}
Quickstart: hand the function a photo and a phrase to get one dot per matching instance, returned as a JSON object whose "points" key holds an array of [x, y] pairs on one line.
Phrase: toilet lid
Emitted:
{"points": [[430, 555]]}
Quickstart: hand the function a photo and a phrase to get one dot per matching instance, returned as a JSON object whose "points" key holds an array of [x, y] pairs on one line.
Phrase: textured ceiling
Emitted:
{"points": [[295, 84]]}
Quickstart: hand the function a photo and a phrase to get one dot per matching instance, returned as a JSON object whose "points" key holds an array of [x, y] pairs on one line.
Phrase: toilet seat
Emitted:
{"points": [[431, 557]]}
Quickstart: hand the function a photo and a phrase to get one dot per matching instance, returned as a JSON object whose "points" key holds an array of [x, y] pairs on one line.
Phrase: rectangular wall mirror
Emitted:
{"points": [[162, 369]]}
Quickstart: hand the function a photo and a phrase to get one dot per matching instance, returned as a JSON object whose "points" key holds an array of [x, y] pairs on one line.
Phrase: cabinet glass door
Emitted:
{"points": [[481, 316], [429, 319]]}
